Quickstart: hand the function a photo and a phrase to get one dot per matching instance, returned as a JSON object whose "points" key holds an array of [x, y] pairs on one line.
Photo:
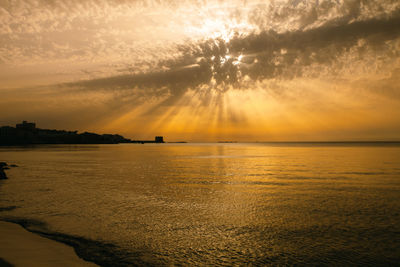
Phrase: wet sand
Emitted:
{"points": [[19, 247]]}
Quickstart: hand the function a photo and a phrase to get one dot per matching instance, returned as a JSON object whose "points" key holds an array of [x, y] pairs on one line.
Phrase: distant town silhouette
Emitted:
{"points": [[26, 133]]}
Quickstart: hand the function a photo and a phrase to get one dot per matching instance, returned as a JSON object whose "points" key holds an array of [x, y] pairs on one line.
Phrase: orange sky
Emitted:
{"points": [[204, 70]]}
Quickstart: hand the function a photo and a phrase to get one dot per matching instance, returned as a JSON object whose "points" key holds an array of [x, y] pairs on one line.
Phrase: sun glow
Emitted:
{"points": [[218, 23], [195, 69]]}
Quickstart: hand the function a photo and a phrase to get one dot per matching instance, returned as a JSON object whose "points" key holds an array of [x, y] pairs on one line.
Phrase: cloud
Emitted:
{"points": [[140, 59], [266, 55]]}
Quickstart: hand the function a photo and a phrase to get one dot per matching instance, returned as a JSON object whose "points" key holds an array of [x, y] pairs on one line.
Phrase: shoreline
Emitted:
{"points": [[90, 252], [29, 242], [20, 247]]}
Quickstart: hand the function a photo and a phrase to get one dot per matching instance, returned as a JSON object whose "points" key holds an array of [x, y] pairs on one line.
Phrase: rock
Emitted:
{"points": [[3, 175], [7, 208], [3, 166]]}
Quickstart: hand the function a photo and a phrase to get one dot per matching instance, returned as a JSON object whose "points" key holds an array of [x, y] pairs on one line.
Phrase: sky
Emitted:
{"points": [[279, 70]]}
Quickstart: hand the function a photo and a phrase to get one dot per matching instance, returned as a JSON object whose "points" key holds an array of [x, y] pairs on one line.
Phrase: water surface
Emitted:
{"points": [[215, 204]]}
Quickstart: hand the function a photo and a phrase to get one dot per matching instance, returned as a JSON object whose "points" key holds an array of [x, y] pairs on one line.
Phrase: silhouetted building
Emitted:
{"points": [[26, 125], [159, 139], [7, 131]]}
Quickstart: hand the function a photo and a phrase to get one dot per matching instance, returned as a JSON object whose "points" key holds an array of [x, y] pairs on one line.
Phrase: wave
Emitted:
{"points": [[99, 252]]}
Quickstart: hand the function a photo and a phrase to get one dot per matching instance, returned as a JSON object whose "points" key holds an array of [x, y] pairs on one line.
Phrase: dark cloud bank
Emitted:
{"points": [[221, 65]]}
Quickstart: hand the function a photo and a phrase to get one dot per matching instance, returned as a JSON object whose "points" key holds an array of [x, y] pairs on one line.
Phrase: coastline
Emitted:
{"points": [[22, 247], [27, 242], [89, 252], [19, 247]]}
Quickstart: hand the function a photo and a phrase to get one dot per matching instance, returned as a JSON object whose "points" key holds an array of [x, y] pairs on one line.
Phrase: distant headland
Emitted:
{"points": [[26, 133]]}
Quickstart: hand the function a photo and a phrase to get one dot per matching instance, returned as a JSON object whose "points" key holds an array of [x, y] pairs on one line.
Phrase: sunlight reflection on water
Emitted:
{"points": [[215, 204]]}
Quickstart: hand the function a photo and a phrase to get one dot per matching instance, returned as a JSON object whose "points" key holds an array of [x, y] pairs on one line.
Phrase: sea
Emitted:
{"points": [[211, 204]]}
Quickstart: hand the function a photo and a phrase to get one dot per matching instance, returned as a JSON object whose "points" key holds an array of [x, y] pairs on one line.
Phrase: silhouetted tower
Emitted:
{"points": [[159, 139]]}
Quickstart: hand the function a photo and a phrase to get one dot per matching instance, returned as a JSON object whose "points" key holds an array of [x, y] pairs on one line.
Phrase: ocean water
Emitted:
{"points": [[211, 204]]}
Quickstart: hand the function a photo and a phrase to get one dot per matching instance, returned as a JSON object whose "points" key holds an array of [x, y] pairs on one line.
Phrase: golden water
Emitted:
{"points": [[214, 204]]}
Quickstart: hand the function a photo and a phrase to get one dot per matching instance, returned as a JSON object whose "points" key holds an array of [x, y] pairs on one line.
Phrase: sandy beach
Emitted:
{"points": [[19, 247]]}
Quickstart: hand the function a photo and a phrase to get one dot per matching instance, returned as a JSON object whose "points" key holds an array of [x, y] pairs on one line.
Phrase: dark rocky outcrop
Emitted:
{"points": [[4, 166], [3, 175]]}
